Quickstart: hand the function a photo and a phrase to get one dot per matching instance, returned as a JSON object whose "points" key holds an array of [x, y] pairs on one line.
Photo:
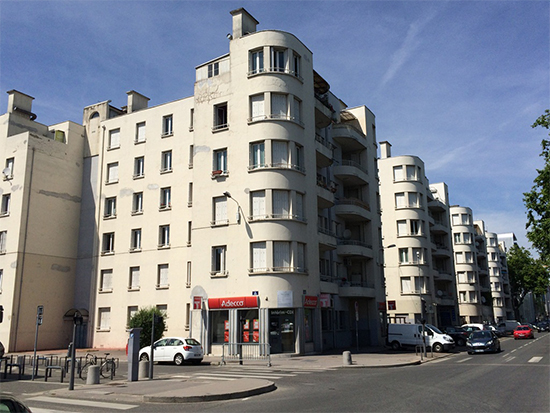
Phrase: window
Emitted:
{"points": [[139, 167], [110, 207], [413, 200], [140, 132], [279, 106], [220, 116], [219, 211], [167, 124], [281, 256], [189, 228], [257, 109], [277, 60], [296, 110], [256, 61], [411, 173], [403, 255], [406, 285], [416, 227], [112, 173], [417, 255], [258, 254], [188, 281], [191, 119], [213, 69], [469, 257], [108, 246], [106, 280], [1, 279], [6, 201], [258, 205], [296, 63], [257, 155], [164, 236], [190, 195], [459, 258], [300, 263], [281, 204], [400, 200], [191, 153], [472, 296], [398, 173], [114, 139], [497, 301], [135, 240], [456, 219], [467, 238], [165, 198], [465, 219], [104, 318], [9, 168], [133, 282], [132, 310], [137, 203], [218, 260], [299, 213], [299, 158], [419, 285], [162, 276], [219, 166], [166, 161], [3, 239], [402, 228], [462, 295], [457, 237], [279, 155]]}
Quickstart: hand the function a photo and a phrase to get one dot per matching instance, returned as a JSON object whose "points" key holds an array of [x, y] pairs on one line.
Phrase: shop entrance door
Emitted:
{"points": [[281, 331]]}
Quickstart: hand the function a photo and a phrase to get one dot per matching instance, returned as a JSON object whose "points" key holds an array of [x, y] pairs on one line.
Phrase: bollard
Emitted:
{"points": [[347, 358], [143, 371], [93, 375]]}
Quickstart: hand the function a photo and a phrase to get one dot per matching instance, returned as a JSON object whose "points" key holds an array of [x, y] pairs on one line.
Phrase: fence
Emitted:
{"points": [[246, 351]]}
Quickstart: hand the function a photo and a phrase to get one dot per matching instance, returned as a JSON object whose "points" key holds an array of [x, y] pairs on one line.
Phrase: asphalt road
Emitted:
{"points": [[515, 380]]}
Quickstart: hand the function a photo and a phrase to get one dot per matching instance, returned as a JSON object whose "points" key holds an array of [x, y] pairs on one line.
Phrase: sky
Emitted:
{"points": [[457, 83]]}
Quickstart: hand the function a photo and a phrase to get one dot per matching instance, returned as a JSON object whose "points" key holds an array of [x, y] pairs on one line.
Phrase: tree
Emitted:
{"points": [[537, 201], [526, 274], [143, 319]]}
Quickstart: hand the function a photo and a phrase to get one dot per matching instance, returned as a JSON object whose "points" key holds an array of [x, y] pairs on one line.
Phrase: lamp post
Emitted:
{"points": [[238, 214], [77, 321]]}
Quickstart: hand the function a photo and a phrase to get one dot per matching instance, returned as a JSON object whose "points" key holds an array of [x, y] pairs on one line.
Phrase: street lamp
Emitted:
{"points": [[77, 321], [238, 214]]}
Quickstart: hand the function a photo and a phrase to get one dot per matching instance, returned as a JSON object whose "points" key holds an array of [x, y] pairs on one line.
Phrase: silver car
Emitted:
{"points": [[175, 350]]}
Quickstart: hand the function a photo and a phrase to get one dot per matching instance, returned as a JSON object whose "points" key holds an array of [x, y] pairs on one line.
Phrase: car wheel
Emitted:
{"points": [[144, 357], [499, 349], [460, 342], [438, 348], [470, 352], [395, 345], [178, 359]]}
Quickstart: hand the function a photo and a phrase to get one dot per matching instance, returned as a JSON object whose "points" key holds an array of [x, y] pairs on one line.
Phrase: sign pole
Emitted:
{"points": [[357, 325], [39, 312]]}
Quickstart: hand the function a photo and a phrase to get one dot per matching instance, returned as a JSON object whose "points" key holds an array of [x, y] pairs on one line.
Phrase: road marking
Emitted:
{"points": [[509, 359], [81, 402], [252, 376], [213, 378], [268, 373], [463, 360], [535, 360]]}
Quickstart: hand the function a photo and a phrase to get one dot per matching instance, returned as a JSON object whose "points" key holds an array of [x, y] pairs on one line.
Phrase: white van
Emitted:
{"points": [[405, 335]]}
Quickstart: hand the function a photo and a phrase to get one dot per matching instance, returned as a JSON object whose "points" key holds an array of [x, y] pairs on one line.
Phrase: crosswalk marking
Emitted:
{"points": [[463, 360], [81, 402], [509, 359], [214, 378], [252, 376], [535, 360]]}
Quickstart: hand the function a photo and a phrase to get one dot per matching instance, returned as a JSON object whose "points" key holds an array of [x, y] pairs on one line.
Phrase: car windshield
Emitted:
{"points": [[523, 328], [477, 335], [434, 329], [192, 342]]}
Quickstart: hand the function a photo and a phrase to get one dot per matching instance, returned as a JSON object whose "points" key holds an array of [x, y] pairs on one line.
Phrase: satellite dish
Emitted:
{"points": [[6, 172], [483, 299], [439, 293], [347, 234]]}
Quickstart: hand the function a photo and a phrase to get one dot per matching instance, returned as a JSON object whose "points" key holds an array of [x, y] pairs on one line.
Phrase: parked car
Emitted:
{"points": [[2, 349], [523, 331], [483, 341], [174, 349], [458, 334], [508, 327], [543, 326], [495, 330], [410, 335], [473, 327], [8, 403]]}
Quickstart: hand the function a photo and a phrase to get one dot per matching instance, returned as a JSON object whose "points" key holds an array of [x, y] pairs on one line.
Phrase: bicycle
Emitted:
{"points": [[107, 369]]}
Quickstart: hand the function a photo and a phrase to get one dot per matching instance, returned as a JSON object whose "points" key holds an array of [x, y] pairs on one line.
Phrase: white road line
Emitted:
{"points": [[268, 373], [252, 376], [212, 378], [509, 359], [463, 360], [535, 360], [80, 402]]}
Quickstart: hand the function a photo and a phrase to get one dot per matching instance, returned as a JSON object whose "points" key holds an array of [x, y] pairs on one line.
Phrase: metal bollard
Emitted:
{"points": [[93, 375], [347, 358], [143, 370]]}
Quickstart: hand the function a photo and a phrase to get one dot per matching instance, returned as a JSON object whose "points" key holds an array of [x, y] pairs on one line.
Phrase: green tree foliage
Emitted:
{"points": [[526, 275], [537, 200], [143, 319]]}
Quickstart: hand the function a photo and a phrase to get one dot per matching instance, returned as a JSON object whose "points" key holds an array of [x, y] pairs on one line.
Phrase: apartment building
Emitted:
{"points": [[498, 278], [505, 242], [482, 258], [417, 246], [41, 190], [246, 212]]}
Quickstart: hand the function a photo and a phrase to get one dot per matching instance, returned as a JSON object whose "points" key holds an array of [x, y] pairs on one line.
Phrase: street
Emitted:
{"points": [[515, 380]]}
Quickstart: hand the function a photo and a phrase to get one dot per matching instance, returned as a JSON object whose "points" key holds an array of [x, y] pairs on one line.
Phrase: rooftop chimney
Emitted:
{"points": [[136, 101], [243, 23], [20, 103], [385, 150]]}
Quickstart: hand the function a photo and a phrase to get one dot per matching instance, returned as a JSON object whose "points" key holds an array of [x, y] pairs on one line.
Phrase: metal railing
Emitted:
{"points": [[246, 351]]}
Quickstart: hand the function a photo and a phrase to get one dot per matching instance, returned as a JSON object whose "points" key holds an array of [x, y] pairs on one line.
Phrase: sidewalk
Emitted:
{"points": [[169, 389]]}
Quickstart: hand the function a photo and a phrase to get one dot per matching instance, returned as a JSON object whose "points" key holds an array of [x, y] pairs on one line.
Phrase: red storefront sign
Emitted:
{"points": [[197, 303], [310, 301], [381, 306], [391, 305], [324, 300], [233, 302]]}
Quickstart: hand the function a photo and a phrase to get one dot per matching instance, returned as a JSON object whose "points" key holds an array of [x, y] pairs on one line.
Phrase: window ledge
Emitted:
{"points": [[140, 212], [219, 174], [165, 207], [162, 287], [136, 142], [105, 290], [220, 128], [273, 117], [112, 148], [133, 288], [219, 223], [271, 71], [132, 250], [166, 171], [139, 176], [110, 216], [275, 217], [107, 253], [215, 274], [167, 134], [289, 167], [163, 247], [4, 214], [115, 181], [103, 329]]}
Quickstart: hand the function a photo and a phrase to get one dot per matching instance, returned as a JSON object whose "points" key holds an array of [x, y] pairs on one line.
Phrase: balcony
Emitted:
{"points": [[356, 291], [323, 114], [436, 205], [354, 248], [351, 173], [443, 276], [349, 138], [324, 151], [352, 209], [327, 239], [441, 250], [325, 192]]}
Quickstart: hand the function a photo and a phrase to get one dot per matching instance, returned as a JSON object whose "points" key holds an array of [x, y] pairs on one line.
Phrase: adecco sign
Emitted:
{"points": [[233, 302]]}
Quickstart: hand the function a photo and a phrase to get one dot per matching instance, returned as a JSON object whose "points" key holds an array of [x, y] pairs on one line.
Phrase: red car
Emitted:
{"points": [[523, 332]]}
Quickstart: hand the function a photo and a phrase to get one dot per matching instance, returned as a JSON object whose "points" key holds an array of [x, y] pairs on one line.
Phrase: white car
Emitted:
{"points": [[174, 349]]}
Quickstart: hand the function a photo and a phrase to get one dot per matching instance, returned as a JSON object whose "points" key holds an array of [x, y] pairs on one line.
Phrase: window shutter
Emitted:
{"points": [[278, 105], [280, 203], [114, 138], [258, 204], [299, 212], [397, 173], [402, 227], [281, 254], [220, 210], [140, 132], [257, 107], [400, 200], [280, 153], [259, 255]]}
